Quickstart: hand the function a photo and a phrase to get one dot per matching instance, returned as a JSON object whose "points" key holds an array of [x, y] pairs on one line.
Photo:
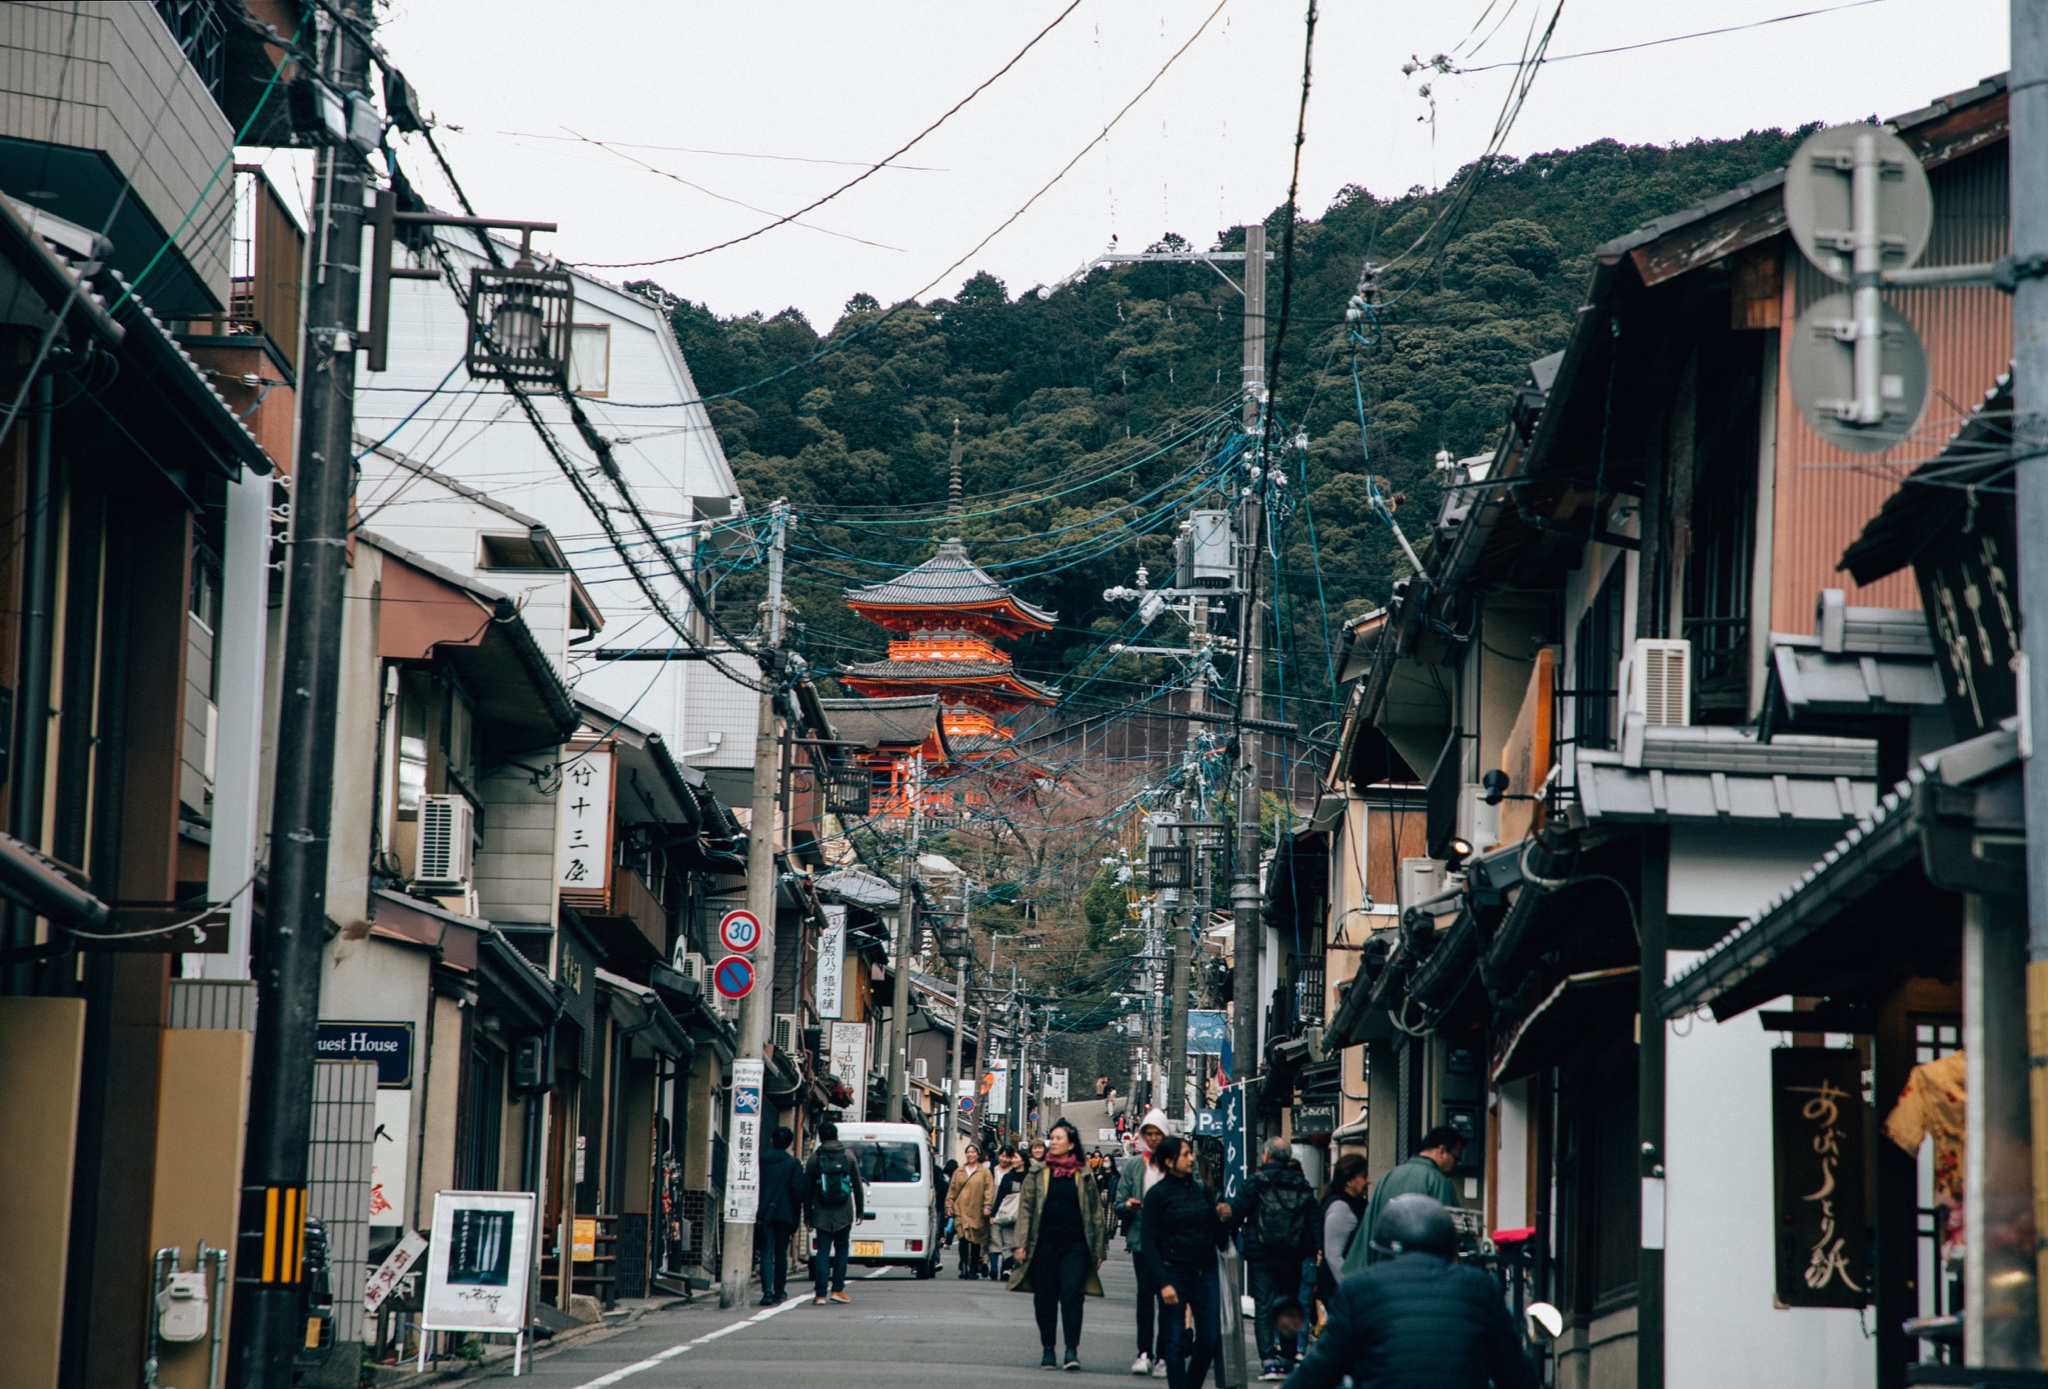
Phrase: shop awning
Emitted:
{"points": [[1559, 1025], [653, 1030]]}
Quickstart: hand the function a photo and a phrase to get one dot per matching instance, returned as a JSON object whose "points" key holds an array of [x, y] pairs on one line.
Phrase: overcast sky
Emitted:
{"points": [[749, 104]]}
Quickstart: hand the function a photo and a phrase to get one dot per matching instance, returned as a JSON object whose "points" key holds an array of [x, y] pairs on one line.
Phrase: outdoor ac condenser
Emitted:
{"points": [[691, 966], [1658, 680], [445, 843], [786, 1034]]}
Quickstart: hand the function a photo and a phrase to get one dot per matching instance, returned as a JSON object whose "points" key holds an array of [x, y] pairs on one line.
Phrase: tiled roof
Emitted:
{"points": [[902, 719], [941, 672], [948, 579]]}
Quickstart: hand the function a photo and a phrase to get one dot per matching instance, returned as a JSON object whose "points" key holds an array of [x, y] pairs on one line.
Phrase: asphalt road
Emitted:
{"points": [[897, 1331]]}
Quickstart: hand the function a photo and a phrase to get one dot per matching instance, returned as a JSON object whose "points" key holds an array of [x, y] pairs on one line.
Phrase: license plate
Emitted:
{"points": [[867, 1249]]}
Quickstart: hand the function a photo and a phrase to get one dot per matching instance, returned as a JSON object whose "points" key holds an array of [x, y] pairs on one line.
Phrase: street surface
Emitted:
{"points": [[944, 1332]]}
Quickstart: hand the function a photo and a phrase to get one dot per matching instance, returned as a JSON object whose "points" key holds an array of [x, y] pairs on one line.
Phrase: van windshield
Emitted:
{"points": [[883, 1160]]}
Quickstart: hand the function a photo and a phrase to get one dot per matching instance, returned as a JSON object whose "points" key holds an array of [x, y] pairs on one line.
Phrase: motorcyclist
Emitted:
{"points": [[1417, 1319]]}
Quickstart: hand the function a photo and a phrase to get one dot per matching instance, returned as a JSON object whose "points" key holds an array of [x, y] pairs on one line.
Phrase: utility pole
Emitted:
{"points": [[1251, 540], [1177, 958], [956, 1063], [757, 1007], [2028, 85], [269, 1319], [906, 946]]}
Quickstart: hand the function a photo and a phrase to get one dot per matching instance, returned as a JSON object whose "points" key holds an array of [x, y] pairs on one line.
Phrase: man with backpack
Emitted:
{"points": [[1279, 1232], [834, 1200]]}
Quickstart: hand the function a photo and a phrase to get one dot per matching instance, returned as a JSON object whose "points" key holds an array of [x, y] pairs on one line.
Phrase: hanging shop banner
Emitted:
{"points": [[1818, 1127], [1209, 1034], [478, 1261], [831, 963], [743, 1167], [585, 851], [1231, 1109], [850, 1063]]}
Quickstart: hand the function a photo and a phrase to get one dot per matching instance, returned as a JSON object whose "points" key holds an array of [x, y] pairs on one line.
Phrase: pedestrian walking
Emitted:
{"points": [[1280, 1210], [1037, 1151], [969, 1200], [1139, 1175], [1417, 1319], [1003, 1219], [1062, 1235], [1425, 1174], [781, 1205], [1183, 1227], [942, 1183], [1343, 1212], [835, 1199]]}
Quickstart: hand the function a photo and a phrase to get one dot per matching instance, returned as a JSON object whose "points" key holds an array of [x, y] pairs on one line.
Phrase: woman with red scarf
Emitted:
{"points": [[1062, 1235]]}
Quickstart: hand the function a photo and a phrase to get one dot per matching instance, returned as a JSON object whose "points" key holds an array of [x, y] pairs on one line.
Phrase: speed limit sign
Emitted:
{"points": [[739, 931]]}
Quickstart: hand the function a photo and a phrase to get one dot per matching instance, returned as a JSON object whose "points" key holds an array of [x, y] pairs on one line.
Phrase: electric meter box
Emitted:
{"points": [[181, 1313]]}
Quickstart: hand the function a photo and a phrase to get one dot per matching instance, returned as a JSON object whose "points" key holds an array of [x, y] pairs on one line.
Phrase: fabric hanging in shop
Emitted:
{"points": [[1930, 1105]]}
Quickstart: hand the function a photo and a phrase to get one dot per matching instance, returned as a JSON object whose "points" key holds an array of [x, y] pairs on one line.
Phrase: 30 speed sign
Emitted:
{"points": [[739, 930]]}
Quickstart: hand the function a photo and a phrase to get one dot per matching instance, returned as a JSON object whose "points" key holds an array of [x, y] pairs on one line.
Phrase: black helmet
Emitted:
{"points": [[1416, 1224]]}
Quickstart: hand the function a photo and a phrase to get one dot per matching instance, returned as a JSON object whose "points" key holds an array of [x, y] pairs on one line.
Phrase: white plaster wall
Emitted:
{"points": [[1735, 870], [1721, 1325]]}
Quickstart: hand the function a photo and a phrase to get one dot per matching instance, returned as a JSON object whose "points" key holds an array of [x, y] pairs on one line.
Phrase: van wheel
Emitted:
{"points": [[925, 1270]]}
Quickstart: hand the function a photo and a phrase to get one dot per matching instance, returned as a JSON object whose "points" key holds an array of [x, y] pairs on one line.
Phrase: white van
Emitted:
{"points": [[903, 1218]]}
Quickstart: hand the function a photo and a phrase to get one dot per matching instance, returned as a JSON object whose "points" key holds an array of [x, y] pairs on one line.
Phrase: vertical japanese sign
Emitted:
{"points": [[743, 1169], [1230, 1108], [850, 1063], [831, 963], [1967, 576], [1819, 1124], [584, 854]]}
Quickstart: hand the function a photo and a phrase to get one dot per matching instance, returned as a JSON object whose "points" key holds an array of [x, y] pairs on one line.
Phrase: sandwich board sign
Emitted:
{"points": [[478, 1266]]}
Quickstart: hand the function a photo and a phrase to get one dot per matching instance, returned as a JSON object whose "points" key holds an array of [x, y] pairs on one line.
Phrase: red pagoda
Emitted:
{"points": [[946, 617]]}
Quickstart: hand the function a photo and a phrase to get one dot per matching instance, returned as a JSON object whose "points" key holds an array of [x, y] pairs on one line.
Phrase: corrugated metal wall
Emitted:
{"points": [[1824, 496]]}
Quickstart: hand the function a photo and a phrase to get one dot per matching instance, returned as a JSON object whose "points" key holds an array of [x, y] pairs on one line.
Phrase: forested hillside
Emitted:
{"points": [[1085, 413]]}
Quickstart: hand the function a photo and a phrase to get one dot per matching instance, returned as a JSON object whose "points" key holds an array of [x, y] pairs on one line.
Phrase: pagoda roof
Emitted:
{"points": [[949, 579], [999, 675]]}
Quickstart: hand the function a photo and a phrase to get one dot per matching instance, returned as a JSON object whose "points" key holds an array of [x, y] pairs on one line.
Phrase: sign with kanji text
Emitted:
{"points": [[831, 977], [478, 1261], [739, 930], [733, 977], [584, 854], [1230, 1108], [743, 1166], [1822, 1210], [385, 1277]]}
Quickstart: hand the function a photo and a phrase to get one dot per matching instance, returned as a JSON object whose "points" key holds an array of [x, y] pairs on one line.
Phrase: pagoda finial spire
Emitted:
{"points": [[953, 489]]}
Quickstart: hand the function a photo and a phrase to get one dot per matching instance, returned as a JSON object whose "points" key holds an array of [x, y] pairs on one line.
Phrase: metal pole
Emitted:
{"points": [[2027, 84], [1176, 956], [32, 714], [757, 1008], [906, 946], [1244, 889], [268, 1322]]}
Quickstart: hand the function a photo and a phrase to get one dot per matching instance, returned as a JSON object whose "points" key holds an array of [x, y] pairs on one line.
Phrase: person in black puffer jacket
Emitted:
{"points": [[1417, 1320], [1181, 1227]]}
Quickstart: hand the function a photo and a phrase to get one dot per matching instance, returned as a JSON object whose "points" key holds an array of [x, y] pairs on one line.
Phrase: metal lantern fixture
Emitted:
{"points": [[1170, 865], [519, 324], [849, 791], [956, 941]]}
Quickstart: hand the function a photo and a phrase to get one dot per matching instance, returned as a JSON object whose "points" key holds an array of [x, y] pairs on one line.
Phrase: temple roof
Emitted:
{"points": [[944, 674], [898, 720], [949, 579]]}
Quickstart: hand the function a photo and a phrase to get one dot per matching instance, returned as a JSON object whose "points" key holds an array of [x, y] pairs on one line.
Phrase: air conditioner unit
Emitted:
{"points": [[786, 1033], [446, 841], [1421, 879], [1659, 682], [920, 1068], [691, 966]]}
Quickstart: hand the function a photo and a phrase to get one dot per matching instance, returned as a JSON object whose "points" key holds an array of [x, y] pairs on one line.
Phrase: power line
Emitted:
{"points": [[1455, 70], [859, 178]]}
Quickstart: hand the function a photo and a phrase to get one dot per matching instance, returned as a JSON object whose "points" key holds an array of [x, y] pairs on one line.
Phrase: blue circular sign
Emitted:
{"points": [[734, 977]]}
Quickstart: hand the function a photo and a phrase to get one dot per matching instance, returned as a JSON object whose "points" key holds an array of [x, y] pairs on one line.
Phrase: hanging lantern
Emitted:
{"points": [[519, 325]]}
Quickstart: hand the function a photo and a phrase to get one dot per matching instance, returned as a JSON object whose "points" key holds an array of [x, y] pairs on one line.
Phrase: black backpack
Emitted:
{"points": [[834, 1180], [1284, 1211]]}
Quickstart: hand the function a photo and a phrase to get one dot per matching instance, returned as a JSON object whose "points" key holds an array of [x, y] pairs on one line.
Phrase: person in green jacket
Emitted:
{"points": [[1428, 1172]]}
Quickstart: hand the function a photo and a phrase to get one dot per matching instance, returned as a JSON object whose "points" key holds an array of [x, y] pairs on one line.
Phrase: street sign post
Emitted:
{"points": [[734, 977], [739, 930], [743, 1175]]}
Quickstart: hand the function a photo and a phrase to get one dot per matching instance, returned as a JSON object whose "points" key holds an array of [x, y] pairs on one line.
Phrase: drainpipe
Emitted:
{"points": [[32, 699]]}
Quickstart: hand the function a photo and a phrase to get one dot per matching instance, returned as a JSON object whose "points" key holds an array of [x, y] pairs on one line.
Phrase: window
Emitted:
{"points": [[483, 1126], [590, 358], [1596, 659], [886, 1161], [412, 744], [1717, 572]]}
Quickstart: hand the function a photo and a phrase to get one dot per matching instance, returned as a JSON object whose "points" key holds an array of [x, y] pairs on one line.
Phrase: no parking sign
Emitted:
{"points": [[734, 977]]}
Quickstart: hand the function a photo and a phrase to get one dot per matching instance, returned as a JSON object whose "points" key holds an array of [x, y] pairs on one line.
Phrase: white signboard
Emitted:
{"points": [[584, 854], [478, 1261], [850, 1061], [387, 1157], [384, 1278], [831, 963], [743, 1160], [999, 1088], [1056, 1084]]}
